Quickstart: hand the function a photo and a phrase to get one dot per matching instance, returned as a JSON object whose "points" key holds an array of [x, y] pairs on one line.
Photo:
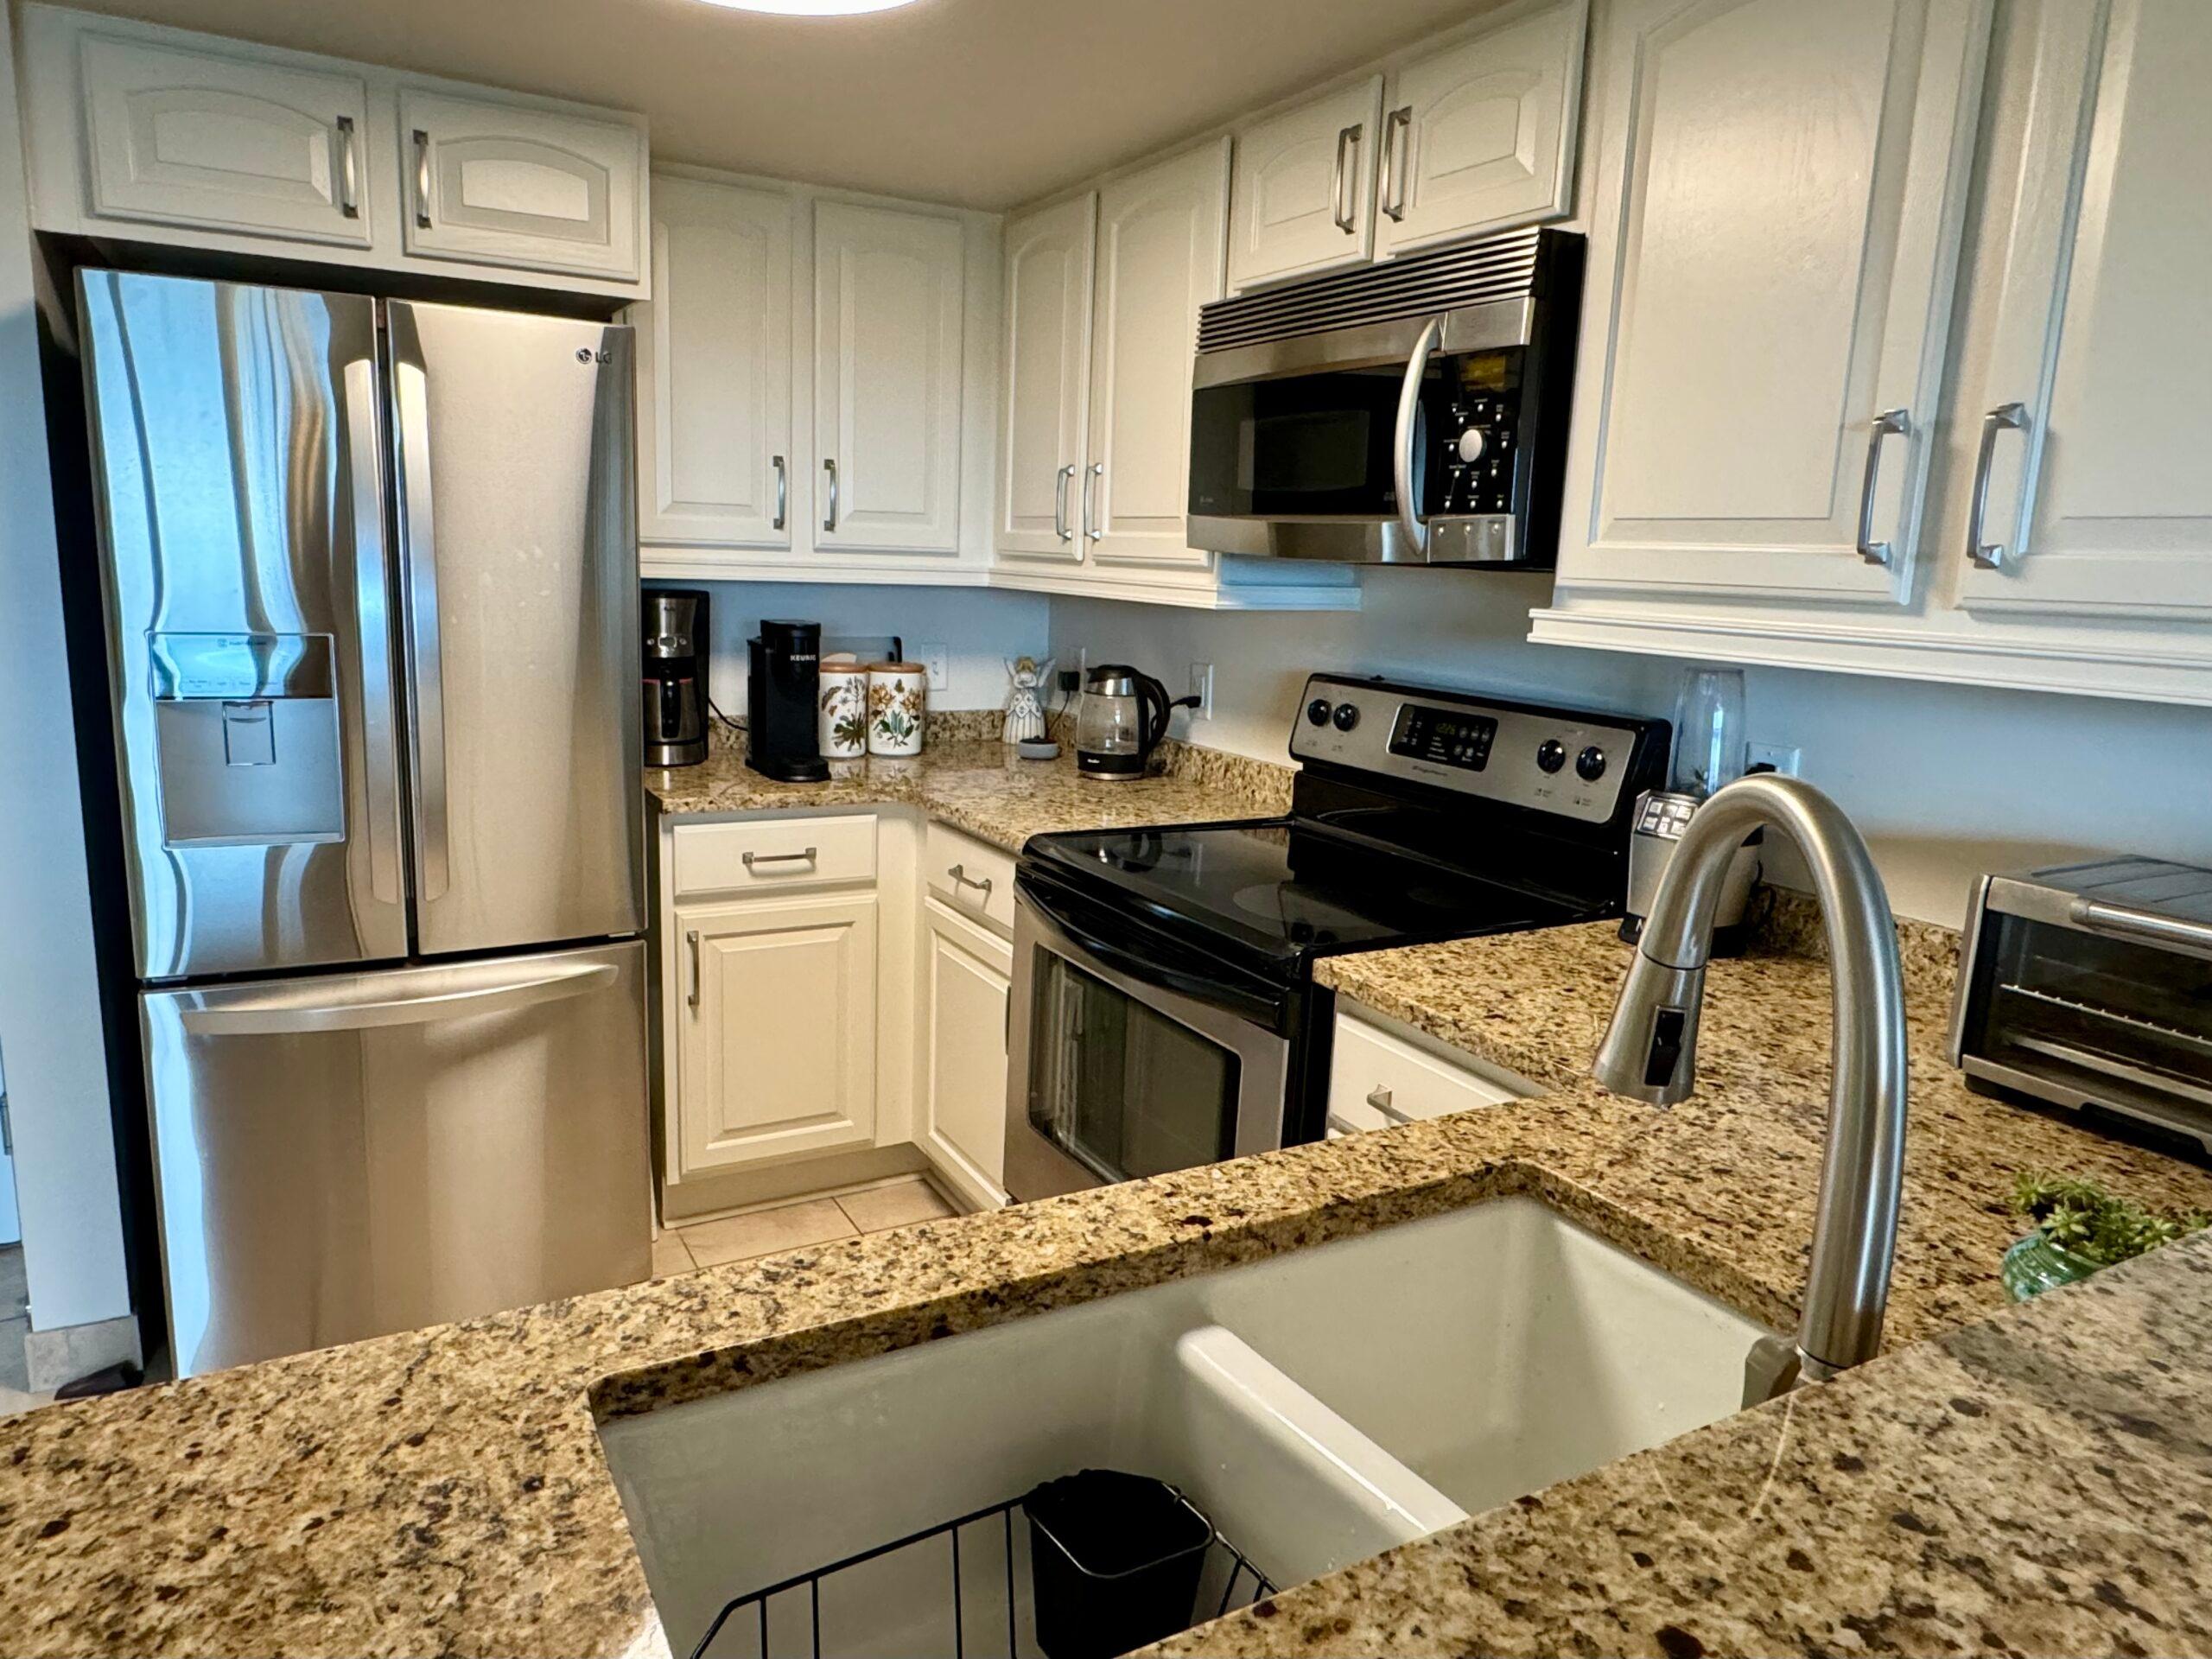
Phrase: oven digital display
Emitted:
{"points": [[1446, 737]]}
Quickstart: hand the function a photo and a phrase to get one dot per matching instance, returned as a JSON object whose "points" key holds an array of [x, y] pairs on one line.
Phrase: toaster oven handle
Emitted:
{"points": [[2148, 927], [1403, 462]]}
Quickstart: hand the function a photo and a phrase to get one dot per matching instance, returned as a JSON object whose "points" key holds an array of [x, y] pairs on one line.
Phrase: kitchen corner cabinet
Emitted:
{"points": [[1479, 135], [887, 312], [967, 969], [776, 1051], [167, 136], [714, 449]]}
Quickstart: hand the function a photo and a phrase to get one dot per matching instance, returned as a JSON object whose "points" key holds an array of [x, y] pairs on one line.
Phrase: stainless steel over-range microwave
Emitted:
{"points": [[1410, 412]]}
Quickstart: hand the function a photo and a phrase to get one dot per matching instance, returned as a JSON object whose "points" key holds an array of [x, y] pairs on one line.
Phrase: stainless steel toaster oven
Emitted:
{"points": [[2090, 986]]}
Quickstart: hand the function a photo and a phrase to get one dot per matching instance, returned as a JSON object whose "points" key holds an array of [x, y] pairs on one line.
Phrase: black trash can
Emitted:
{"points": [[1115, 1561]]}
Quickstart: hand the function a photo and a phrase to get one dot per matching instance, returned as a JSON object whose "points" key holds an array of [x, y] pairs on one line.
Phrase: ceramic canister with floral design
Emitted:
{"points": [[842, 731], [898, 698]]}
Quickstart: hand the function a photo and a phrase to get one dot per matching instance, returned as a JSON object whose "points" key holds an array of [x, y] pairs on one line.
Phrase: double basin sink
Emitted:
{"points": [[1319, 1406]]}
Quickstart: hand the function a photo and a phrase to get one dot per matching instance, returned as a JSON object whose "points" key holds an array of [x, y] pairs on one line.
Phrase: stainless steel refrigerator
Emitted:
{"points": [[371, 581]]}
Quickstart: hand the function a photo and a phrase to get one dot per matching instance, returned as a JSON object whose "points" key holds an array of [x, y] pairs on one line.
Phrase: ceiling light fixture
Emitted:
{"points": [[812, 8]]}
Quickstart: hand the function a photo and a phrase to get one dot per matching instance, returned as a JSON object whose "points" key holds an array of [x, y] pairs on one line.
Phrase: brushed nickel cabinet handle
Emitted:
{"points": [[1889, 422], [421, 180], [1089, 501], [1343, 190], [349, 175], [830, 517], [692, 940], [1395, 167], [783, 490], [1060, 502], [1379, 1098], [961, 879], [2005, 417], [806, 857]]}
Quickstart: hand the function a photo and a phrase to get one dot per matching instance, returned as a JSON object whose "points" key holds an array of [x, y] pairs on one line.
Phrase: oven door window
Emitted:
{"points": [[2116, 1018], [1121, 1088]]}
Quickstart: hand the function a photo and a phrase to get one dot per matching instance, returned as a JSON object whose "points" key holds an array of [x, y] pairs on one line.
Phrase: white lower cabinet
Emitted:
{"points": [[776, 1028], [966, 971], [1378, 1078]]}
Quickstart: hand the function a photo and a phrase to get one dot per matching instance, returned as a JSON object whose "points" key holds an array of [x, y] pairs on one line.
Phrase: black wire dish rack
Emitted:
{"points": [[788, 1618]]}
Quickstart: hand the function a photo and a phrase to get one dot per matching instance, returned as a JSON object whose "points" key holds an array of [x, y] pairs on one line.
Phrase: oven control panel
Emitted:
{"points": [[1586, 766]]}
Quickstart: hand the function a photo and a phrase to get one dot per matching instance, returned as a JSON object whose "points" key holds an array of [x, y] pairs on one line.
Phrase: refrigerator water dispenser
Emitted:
{"points": [[246, 729]]}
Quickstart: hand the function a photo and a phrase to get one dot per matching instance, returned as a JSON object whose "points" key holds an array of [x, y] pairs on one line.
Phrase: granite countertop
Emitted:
{"points": [[2040, 1481], [981, 786]]}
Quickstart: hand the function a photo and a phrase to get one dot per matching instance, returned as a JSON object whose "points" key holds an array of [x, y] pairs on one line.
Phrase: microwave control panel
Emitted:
{"points": [[1474, 425]]}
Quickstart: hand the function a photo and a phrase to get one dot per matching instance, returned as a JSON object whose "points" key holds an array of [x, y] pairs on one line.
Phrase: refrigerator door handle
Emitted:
{"points": [[372, 604], [418, 554], [252, 1014]]}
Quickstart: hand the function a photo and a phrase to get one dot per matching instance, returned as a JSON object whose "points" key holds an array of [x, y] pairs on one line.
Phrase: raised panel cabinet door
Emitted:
{"points": [[181, 137], [1161, 256], [777, 1052], [1772, 254], [1048, 265], [1481, 135], [499, 183], [2099, 496], [887, 297], [715, 452], [1301, 197], [966, 973]]}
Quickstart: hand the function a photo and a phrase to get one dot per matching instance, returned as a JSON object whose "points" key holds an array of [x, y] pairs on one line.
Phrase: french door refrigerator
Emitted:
{"points": [[372, 585]]}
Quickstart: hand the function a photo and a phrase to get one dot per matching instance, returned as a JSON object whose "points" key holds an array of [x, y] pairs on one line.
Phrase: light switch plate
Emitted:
{"points": [[933, 656]]}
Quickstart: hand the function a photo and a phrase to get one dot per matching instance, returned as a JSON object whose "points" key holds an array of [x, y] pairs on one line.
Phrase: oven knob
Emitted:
{"points": [[1317, 712], [1347, 716], [1472, 444], [1590, 763], [1552, 755]]}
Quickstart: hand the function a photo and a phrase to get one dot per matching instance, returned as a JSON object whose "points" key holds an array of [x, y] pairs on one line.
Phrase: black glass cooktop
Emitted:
{"points": [[1287, 889]]}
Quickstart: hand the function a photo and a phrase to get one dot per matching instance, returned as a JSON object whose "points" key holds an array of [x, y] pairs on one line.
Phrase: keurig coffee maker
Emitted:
{"points": [[675, 676], [782, 740]]}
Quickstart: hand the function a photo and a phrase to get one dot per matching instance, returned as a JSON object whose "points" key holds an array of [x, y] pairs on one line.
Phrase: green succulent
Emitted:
{"points": [[2083, 1218]]}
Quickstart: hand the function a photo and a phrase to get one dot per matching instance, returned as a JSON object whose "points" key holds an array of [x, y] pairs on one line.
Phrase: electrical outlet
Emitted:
{"points": [[1784, 758], [1202, 688], [932, 655]]}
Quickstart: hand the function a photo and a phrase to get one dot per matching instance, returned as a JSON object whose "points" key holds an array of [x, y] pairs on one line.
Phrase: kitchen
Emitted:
{"points": [[1767, 389]]}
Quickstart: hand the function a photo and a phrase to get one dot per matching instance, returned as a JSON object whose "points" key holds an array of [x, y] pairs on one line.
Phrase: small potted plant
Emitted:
{"points": [[2079, 1227]]}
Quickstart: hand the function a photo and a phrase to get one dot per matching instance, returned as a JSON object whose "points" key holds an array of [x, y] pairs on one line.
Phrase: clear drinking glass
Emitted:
{"points": [[1710, 747]]}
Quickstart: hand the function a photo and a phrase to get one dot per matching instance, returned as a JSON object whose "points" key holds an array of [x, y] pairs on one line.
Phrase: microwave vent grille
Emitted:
{"points": [[1477, 273]]}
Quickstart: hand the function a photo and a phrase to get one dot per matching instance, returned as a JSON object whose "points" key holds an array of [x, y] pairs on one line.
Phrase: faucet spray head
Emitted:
{"points": [[1650, 1051]]}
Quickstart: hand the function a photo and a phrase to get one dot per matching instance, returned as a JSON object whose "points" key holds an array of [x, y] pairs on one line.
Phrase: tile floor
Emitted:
{"points": [[14, 1326], [788, 1226]]}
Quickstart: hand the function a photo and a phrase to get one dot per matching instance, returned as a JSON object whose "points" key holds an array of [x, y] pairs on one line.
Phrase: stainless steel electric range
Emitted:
{"points": [[1164, 1011]]}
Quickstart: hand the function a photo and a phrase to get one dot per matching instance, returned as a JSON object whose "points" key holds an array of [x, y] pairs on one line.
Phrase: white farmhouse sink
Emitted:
{"points": [[1319, 1406]]}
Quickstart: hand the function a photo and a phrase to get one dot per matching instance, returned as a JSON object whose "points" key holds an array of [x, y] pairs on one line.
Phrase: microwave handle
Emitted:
{"points": [[2176, 932], [1402, 463]]}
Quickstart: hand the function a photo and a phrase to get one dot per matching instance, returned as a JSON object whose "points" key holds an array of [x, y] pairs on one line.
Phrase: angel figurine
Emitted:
{"points": [[1025, 711]]}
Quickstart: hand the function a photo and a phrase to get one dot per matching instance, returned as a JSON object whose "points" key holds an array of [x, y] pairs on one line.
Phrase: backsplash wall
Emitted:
{"points": [[1945, 781], [978, 628]]}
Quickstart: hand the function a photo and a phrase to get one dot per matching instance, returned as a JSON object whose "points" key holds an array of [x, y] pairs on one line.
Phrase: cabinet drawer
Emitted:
{"points": [[1376, 1078], [972, 877], [772, 855]]}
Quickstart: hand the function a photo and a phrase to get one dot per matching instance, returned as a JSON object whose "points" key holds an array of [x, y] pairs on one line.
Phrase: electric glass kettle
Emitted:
{"points": [[1121, 719]]}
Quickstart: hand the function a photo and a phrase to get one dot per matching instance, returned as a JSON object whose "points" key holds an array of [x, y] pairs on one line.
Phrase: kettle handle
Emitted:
{"points": [[1153, 696]]}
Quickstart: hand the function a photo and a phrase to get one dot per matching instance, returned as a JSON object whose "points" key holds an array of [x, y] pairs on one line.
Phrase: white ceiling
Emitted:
{"points": [[986, 103]]}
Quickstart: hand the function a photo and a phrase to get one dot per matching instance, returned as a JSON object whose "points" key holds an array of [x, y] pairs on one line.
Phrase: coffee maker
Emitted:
{"points": [[782, 737], [675, 676]]}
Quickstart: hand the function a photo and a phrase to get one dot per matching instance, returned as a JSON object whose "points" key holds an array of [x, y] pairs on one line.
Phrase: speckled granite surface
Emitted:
{"points": [[2040, 1483], [982, 787]]}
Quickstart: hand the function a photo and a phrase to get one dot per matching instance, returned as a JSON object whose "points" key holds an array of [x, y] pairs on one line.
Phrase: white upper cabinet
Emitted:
{"points": [[1480, 135], [188, 137], [714, 457], [495, 183], [888, 295], [2098, 425], [1047, 378], [1161, 257], [1772, 249], [1302, 197]]}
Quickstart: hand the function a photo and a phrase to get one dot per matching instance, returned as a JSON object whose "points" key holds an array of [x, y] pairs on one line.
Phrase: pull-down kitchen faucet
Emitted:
{"points": [[1649, 1053]]}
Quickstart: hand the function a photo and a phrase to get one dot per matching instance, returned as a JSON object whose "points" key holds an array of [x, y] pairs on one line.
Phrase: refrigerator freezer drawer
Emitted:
{"points": [[349, 1154]]}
